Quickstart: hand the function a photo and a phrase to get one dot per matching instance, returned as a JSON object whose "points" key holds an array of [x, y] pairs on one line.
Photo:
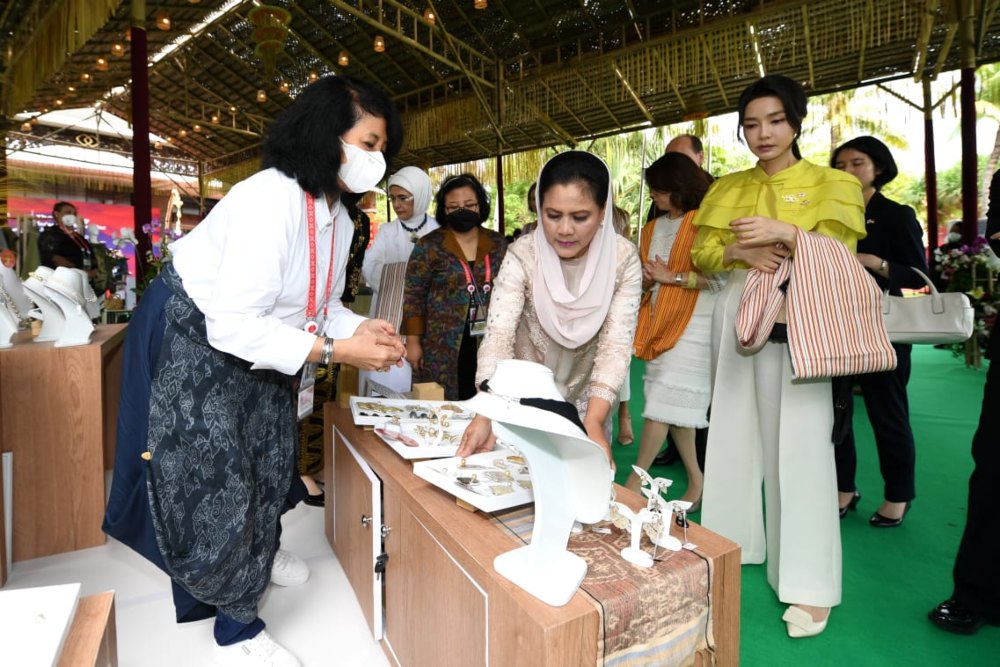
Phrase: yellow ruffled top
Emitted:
{"points": [[818, 199]]}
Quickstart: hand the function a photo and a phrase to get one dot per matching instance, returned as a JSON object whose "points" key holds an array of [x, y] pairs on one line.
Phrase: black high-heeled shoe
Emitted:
{"points": [[852, 505], [881, 521]]}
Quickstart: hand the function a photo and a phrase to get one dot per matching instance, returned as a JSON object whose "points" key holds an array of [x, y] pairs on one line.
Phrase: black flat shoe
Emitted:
{"points": [[953, 616], [880, 521], [319, 500], [852, 505]]}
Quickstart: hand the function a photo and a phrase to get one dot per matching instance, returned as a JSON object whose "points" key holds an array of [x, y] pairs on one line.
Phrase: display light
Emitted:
{"points": [[26, 126], [58, 103], [343, 60], [183, 133], [118, 49], [480, 4], [215, 119], [85, 77], [283, 87], [429, 16], [261, 95], [162, 20], [102, 64], [70, 89], [313, 77], [379, 43], [196, 127]]}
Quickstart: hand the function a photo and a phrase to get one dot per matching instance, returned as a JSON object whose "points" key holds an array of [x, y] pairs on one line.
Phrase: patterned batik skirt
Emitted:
{"points": [[221, 444]]}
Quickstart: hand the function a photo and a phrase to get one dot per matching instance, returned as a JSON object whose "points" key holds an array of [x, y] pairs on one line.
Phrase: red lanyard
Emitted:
{"points": [[311, 326], [470, 282]]}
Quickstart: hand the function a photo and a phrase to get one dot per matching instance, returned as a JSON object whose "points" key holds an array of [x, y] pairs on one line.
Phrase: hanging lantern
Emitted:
{"points": [[270, 30], [162, 20], [283, 87], [85, 77], [26, 126], [343, 60], [480, 4], [70, 89], [429, 16], [232, 109], [215, 119], [313, 77], [102, 64], [196, 127], [118, 49], [379, 43], [158, 146], [58, 103], [261, 95]]}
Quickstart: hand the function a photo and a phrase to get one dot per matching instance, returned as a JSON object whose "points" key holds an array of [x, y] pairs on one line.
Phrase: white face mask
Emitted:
{"points": [[954, 237], [363, 169], [69, 220]]}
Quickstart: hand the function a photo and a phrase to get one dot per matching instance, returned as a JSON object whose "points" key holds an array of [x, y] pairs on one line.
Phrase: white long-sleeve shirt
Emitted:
{"points": [[246, 266], [391, 244]]}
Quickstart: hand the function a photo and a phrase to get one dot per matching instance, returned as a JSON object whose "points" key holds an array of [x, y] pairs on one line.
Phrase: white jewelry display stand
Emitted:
{"points": [[53, 321], [14, 291], [570, 476], [66, 288], [8, 326]]}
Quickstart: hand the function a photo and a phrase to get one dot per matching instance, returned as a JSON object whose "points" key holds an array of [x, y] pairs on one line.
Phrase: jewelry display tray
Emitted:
{"points": [[423, 451], [443, 473], [371, 411]]}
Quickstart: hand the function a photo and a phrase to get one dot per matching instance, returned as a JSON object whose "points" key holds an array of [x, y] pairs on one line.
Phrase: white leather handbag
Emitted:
{"points": [[928, 319]]}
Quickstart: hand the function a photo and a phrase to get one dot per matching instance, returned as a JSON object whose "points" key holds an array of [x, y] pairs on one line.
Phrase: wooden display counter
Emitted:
{"points": [[442, 603], [58, 414]]}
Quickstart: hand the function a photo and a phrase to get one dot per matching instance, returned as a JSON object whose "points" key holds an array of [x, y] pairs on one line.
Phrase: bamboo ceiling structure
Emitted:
{"points": [[517, 75]]}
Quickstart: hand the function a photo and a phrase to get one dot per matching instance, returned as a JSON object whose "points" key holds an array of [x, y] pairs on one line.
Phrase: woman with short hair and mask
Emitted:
{"points": [[63, 245], [207, 440], [448, 281], [893, 245], [410, 195]]}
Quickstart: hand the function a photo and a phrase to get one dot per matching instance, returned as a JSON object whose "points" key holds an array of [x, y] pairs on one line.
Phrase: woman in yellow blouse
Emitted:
{"points": [[764, 427]]}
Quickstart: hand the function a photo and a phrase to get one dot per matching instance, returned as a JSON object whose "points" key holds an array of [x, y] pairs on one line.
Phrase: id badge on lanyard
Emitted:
{"points": [[478, 308], [307, 390]]}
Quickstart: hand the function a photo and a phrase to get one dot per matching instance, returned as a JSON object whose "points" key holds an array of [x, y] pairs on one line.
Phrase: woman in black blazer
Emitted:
{"points": [[894, 243]]}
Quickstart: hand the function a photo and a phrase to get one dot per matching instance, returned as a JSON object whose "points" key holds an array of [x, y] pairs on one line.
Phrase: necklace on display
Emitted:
{"points": [[413, 231]]}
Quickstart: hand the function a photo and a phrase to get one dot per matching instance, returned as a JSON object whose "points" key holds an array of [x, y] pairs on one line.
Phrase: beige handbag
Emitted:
{"points": [[928, 319]]}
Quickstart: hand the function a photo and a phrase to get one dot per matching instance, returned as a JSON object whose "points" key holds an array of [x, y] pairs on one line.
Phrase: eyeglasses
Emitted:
{"points": [[402, 199], [451, 208]]}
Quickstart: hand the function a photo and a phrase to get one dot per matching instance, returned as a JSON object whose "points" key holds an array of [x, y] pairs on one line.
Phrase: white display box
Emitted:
{"points": [[501, 480]]}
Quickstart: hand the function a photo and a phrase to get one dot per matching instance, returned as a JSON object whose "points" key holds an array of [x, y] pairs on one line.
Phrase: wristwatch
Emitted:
{"points": [[679, 279]]}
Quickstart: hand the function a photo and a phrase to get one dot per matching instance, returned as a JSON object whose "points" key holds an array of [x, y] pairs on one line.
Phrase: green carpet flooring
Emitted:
{"points": [[892, 577]]}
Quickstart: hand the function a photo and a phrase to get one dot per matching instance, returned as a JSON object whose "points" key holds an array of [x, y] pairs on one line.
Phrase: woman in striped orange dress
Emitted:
{"points": [[675, 320]]}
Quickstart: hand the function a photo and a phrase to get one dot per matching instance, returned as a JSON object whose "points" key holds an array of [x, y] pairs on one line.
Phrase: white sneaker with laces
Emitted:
{"points": [[288, 569], [258, 651]]}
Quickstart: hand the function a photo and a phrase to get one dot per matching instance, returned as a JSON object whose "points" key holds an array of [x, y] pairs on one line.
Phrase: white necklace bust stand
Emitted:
{"points": [[66, 290], [8, 326], [570, 477], [53, 321], [14, 305]]}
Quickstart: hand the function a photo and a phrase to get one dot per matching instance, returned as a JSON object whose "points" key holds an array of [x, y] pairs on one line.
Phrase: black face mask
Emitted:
{"points": [[462, 220]]}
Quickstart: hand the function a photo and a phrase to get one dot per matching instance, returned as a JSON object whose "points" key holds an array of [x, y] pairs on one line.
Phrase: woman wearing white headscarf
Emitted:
{"points": [[567, 296], [410, 196]]}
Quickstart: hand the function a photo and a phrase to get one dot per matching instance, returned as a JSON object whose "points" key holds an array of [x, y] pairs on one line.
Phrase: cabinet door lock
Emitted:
{"points": [[366, 521], [380, 564]]}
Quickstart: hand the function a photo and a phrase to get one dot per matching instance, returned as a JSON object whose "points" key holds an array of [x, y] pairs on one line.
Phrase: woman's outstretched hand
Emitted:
{"points": [[478, 437]]}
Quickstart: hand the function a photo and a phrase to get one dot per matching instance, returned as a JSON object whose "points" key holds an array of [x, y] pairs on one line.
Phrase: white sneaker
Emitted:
{"points": [[288, 569], [258, 651]]}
